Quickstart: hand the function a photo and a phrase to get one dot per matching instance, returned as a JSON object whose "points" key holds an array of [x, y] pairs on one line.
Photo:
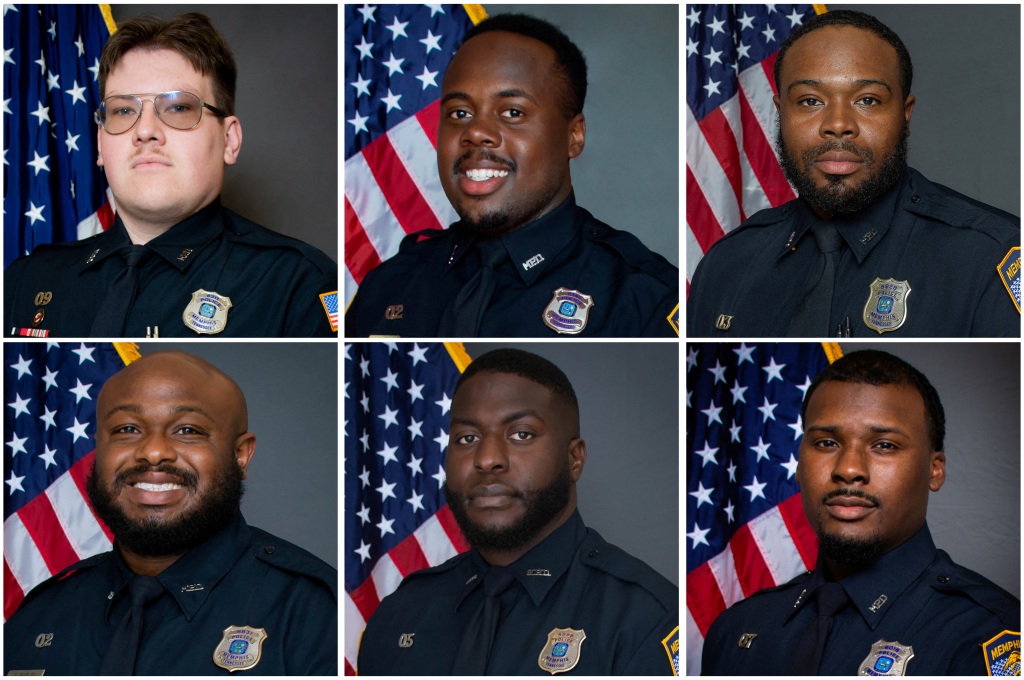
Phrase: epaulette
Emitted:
{"points": [[597, 553], [942, 204], [630, 248], [81, 565], [954, 578], [409, 241], [240, 230], [289, 557]]}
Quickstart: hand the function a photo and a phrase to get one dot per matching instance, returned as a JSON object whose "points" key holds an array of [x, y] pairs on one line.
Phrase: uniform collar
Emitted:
{"points": [[193, 575], [861, 231], [540, 569], [533, 247], [179, 245], [874, 590]]}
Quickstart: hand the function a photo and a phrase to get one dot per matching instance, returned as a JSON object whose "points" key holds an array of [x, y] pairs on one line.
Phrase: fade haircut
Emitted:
{"points": [[874, 367], [191, 35], [525, 365], [847, 17], [572, 66]]}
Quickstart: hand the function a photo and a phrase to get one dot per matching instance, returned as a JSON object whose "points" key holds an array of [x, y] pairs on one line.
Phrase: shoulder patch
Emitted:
{"points": [[673, 319], [1009, 274], [1002, 653], [330, 303], [671, 645]]}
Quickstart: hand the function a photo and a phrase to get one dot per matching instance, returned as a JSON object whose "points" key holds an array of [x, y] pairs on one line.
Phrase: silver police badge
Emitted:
{"points": [[561, 652], [886, 658], [567, 312], [240, 648], [207, 313], [886, 308]]}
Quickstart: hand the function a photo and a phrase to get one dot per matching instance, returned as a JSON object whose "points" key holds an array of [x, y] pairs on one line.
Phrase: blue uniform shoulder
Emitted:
{"points": [[246, 232], [947, 576], [629, 248], [596, 553], [290, 558], [65, 575], [420, 240], [942, 204]]}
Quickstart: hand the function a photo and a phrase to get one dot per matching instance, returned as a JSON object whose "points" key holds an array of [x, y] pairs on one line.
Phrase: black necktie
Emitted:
{"points": [[475, 647], [124, 646], [830, 599], [112, 314], [463, 316], [813, 319]]}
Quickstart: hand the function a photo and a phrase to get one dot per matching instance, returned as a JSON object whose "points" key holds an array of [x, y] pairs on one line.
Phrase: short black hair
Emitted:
{"points": [[848, 17], [526, 365], [571, 63], [875, 367]]}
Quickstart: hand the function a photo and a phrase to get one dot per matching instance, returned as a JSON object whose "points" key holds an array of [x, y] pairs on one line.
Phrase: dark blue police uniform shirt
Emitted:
{"points": [[242, 576], [914, 596], [634, 292], [274, 282], [573, 579], [945, 246]]}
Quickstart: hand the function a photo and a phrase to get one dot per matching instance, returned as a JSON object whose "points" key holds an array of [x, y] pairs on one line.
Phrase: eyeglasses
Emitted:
{"points": [[179, 110]]}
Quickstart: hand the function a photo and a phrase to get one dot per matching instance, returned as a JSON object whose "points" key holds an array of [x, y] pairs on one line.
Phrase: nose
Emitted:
{"points": [[490, 456], [481, 131], [156, 449], [851, 466], [148, 126], [839, 121]]}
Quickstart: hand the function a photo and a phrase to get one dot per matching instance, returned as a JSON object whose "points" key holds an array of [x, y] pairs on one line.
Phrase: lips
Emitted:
{"points": [[850, 508], [839, 162], [482, 175], [491, 496], [146, 162]]}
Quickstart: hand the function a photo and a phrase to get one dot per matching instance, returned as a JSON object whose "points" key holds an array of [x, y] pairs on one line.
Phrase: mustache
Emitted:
{"points": [[483, 156], [856, 493], [126, 477]]}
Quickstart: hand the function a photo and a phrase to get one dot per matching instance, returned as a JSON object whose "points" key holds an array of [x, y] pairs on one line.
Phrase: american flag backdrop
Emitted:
{"points": [[397, 398], [53, 190], [731, 167], [746, 528], [50, 390], [395, 57]]}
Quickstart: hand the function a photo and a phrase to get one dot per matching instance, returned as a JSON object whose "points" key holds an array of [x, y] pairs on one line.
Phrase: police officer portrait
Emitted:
{"points": [[476, 205], [165, 569], [855, 231], [507, 546], [889, 494], [135, 212]]}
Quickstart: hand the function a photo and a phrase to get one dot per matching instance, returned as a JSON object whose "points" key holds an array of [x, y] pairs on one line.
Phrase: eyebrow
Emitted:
{"points": [[511, 417], [862, 82], [503, 94], [876, 429], [137, 409]]}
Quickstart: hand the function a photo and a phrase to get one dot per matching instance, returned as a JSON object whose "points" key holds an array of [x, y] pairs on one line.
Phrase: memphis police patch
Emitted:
{"points": [[1009, 274], [1002, 654], [671, 645]]}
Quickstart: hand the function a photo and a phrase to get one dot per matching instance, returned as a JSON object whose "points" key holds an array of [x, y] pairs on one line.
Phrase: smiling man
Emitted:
{"points": [[175, 263], [882, 600], [539, 591], [871, 246], [524, 260], [190, 588]]}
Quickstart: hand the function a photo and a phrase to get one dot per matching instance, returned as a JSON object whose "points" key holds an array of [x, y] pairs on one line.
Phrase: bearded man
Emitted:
{"points": [[871, 246], [190, 588], [538, 587]]}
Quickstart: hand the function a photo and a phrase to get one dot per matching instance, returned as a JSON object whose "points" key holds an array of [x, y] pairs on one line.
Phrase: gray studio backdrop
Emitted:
{"points": [[629, 417], [292, 393], [628, 174], [975, 516], [286, 177], [965, 131]]}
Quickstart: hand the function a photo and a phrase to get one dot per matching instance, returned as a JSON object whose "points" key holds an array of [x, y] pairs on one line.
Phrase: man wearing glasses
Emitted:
{"points": [[175, 263]]}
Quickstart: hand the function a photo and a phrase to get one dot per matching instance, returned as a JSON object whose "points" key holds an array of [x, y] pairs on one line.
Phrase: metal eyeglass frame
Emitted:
{"points": [[100, 119]]}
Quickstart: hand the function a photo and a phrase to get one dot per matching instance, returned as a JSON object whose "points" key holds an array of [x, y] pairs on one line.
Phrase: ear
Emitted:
{"points": [[775, 100], [938, 472], [99, 146], [908, 110], [232, 139], [245, 447], [577, 135], [577, 458]]}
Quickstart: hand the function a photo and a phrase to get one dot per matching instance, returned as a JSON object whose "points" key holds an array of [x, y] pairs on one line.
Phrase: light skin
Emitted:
{"points": [[502, 109], [870, 439], [160, 175], [840, 86], [510, 434], [175, 409]]}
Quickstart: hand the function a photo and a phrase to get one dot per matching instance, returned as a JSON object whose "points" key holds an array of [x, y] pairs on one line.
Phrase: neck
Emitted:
{"points": [[141, 233], [147, 565], [503, 558]]}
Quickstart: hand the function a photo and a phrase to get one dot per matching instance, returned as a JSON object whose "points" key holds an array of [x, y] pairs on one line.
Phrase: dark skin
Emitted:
{"points": [[502, 110], [841, 85], [870, 439], [510, 434], [168, 408]]}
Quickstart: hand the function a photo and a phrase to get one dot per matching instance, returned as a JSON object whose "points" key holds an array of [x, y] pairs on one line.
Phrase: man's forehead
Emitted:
{"points": [[850, 50], [167, 69]]}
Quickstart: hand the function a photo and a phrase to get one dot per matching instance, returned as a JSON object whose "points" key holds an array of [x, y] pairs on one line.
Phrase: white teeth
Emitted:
{"points": [[481, 175], [145, 486]]}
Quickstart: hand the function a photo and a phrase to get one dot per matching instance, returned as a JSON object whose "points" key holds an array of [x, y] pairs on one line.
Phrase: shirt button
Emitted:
{"points": [[592, 553], [943, 579], [915, 199], [270, 550]]}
